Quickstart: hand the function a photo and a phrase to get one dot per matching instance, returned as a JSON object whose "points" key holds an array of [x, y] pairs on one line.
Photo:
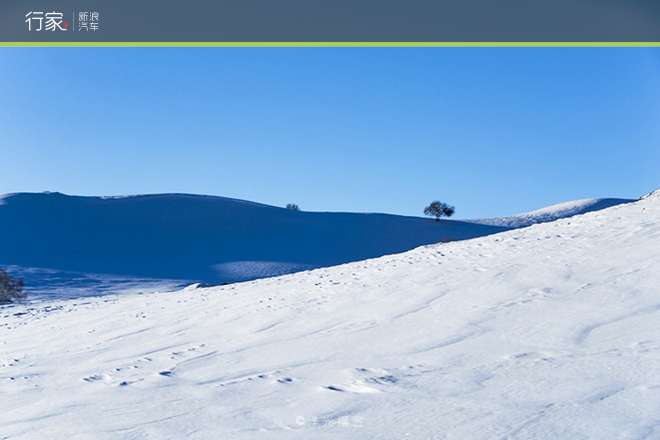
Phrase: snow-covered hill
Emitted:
{"points": [[80, 244], [551, 331], [551, 213], [204, 238]]}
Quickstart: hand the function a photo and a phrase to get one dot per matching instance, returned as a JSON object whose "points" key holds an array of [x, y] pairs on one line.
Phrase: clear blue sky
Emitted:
{"points": [[492, 131]]}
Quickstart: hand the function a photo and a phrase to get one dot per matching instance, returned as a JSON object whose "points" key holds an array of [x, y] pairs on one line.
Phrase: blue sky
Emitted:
{"points": [[492, 131]]}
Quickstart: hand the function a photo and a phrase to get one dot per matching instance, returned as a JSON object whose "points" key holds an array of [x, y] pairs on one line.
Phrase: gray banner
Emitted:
{"points": [[330, 21]]}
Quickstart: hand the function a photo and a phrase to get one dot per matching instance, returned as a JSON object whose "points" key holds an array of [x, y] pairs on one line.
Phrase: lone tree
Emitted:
{"points": [[10, 288], [438, 209], [292, 206]]}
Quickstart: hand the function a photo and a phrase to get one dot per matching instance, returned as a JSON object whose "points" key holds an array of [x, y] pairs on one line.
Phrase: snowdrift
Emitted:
{"points": [[551, 331], [551, 213]]}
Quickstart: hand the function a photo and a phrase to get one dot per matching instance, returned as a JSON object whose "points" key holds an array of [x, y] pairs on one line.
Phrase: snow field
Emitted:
{"points": [[551, 331]]}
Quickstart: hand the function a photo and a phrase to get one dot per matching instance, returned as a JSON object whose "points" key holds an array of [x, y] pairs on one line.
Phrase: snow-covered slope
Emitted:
{"points": [[551, 213], [51, 238], [204, 238], [546, 332]]}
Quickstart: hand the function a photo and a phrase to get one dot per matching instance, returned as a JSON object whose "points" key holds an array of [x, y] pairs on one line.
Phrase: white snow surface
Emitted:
{"points": [[551, 332], [551, 213]]}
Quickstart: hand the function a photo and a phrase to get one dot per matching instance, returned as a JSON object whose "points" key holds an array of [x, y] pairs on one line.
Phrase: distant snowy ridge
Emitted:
{"points": [[551, 213], [652, 195]]}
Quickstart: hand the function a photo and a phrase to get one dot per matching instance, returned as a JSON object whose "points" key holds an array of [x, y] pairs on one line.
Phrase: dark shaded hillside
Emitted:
{"points": [[212, 239]]}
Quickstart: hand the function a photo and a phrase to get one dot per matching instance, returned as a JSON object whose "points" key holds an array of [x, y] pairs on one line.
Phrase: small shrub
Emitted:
{"points": [[10, 288]]}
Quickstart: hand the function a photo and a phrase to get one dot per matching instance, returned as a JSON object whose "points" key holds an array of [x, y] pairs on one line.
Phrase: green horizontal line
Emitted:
{"points": [[332, 44]]}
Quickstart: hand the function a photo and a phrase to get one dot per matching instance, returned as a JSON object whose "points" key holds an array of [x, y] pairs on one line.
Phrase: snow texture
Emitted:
{"points": [[550, 331], [551, 213]]}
